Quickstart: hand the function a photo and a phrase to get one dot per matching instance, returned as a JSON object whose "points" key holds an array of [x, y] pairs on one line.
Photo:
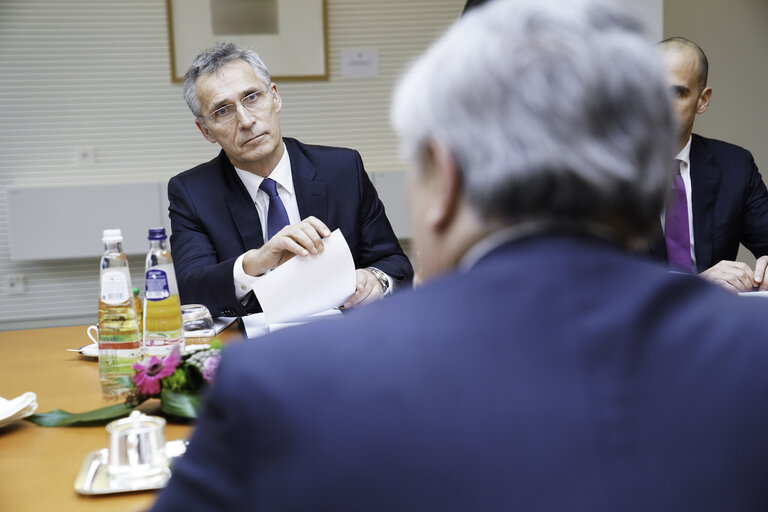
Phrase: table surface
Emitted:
{"points": [[38, 465]]}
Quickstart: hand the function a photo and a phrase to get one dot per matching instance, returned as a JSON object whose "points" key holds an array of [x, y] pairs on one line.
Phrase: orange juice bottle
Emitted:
{"points": [[162, 308], [119, 335]]}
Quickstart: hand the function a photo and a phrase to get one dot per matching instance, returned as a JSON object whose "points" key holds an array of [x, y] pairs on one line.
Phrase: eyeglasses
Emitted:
{"points": [[226, 113]]}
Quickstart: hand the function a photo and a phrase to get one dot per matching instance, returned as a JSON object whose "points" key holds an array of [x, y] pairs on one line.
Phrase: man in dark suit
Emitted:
{"points": [[725, 194], [264, 198], [542, 366]]}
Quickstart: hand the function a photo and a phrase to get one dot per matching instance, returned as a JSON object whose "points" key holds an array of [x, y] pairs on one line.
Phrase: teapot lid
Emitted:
{"points": [[137, 421]]}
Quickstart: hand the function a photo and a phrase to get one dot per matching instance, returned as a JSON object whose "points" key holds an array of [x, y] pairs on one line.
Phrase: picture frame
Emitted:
{"points": [[289, 35]]}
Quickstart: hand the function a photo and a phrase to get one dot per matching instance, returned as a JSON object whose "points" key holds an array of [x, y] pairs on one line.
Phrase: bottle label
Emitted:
{"points": [[156, 283], [114, 287]]}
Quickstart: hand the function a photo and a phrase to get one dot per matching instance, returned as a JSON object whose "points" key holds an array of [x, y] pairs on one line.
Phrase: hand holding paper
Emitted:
{"points": [[305, 285], [302, 239]]}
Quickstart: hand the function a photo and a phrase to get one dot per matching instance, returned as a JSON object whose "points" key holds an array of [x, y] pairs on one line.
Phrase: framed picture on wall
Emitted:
{"points": [[288, 35]]}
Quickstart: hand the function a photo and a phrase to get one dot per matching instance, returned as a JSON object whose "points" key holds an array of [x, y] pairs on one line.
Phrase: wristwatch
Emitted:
{"points": [[381, 277]]}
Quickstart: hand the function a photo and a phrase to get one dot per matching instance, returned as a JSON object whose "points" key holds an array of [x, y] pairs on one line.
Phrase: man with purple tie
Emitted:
{"points": [[265, 199], [718, 199]]}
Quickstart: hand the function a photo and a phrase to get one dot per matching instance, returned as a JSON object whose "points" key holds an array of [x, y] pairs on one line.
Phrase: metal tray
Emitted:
{"points": [[93, 477]]}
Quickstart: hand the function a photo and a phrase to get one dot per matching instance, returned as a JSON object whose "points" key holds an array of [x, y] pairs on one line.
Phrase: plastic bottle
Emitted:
{"points": [[162, 309], [119, 335]]}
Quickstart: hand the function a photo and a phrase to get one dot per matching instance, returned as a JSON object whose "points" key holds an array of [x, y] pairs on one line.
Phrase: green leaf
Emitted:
{"points": [[179, 403], [59, 418]]}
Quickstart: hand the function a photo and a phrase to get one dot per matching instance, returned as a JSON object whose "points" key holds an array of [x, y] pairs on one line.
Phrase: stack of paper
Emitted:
{"points": [[17, 408]]}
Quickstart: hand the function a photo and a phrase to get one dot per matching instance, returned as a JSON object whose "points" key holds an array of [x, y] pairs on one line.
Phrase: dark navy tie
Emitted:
{"points": [[277, 218], [676, 231]]}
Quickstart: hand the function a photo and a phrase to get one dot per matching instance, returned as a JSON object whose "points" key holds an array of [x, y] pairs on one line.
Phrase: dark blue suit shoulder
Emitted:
{"points": [[327, 161], [720, 147]]}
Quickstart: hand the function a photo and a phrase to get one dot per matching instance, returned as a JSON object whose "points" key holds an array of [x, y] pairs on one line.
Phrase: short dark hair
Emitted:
{"points": [[681, 42]]}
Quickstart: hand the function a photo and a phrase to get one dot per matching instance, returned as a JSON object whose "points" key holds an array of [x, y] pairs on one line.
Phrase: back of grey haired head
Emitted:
{"points": [[213, 59], [554, 111]]}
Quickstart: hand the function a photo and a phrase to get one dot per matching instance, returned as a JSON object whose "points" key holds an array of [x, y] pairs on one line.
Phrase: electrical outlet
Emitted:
{"points": [[85, 156], [16, 284]]}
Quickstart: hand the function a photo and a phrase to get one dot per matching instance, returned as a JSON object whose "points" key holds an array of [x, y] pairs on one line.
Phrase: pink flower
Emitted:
{"points": [[149, 373], [209, 367]]}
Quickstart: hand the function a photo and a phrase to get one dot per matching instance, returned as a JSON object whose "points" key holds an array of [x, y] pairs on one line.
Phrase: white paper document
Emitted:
{"points": [[222, 322], [256, 325], [305, 285], [753, 294]]}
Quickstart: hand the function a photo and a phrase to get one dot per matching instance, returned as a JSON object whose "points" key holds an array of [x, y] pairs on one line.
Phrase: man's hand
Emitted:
{"points": [[736, 276], [368, 289], [760, 279], [303, 239]]}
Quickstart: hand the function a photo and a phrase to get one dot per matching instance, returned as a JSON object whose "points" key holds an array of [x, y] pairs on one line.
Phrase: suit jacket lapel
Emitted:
{"points": [[658, 246], [705, 181], [311, 194], [241, 207]]}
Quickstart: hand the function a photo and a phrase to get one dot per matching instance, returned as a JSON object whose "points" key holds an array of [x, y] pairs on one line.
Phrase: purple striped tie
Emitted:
{"points": [[676, 231], [277, 218]]}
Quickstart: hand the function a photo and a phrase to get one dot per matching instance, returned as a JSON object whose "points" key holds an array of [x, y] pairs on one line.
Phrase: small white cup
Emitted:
{"points": [[94, 336]]}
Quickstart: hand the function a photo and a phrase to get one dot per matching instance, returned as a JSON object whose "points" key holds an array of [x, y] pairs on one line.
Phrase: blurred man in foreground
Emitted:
{"points": [[541, 366], [722, 196]]}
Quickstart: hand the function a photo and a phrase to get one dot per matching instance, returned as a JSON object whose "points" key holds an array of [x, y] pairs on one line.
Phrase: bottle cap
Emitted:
{"points": [[112, 235], [156, 234]]}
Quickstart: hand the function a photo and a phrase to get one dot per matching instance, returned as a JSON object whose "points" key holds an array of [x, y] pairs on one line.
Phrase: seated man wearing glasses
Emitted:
{"points": [[266, 198]]}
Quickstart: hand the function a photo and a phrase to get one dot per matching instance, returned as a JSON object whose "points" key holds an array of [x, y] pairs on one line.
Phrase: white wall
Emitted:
{"points": [[650, 12]]}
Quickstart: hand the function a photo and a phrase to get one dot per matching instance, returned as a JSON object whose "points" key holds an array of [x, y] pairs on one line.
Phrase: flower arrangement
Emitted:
{"points": [[177, 372], [178, 380]]}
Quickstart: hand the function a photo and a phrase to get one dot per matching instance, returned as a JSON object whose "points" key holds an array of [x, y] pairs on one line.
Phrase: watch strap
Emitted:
{"points": [[380, 276]]}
